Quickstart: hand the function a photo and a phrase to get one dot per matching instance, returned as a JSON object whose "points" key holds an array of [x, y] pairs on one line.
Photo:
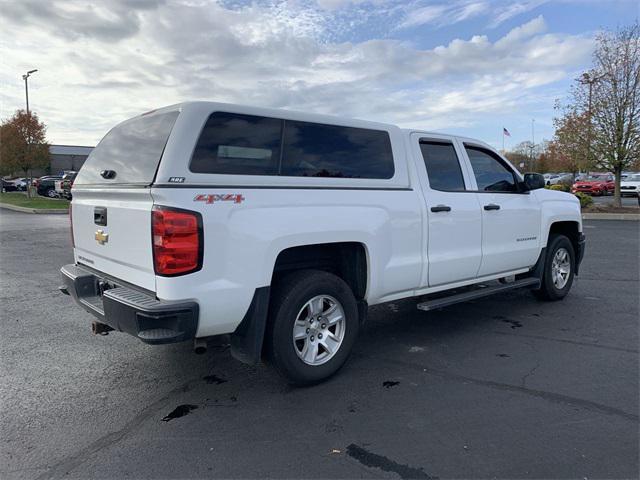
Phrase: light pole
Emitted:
{"points": [[26, 92], [26, 86], [533, 145], [589, 80]]}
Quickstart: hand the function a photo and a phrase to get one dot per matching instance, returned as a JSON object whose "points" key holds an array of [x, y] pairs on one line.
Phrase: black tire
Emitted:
{"points": [[548, 289], [290, 295]]}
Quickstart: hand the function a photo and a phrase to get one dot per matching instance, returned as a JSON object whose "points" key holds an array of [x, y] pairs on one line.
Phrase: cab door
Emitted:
{"points": [[511, 218], [453, 236]]}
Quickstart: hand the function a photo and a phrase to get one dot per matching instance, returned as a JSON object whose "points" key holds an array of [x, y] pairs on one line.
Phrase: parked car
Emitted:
{"points": [[556, 178], [8, 186], [46, 186], [630, 186], [20, 183], [281, 228], [67, 183], [594, 184]]}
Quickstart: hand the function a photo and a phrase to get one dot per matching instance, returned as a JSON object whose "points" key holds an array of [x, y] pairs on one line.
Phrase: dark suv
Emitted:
{"points": [[46, 186]]}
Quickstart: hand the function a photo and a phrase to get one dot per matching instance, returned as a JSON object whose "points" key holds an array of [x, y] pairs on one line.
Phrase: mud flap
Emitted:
{"points": [[246, 341]]}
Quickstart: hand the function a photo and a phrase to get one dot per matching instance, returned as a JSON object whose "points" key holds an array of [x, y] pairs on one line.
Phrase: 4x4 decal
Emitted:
{"points": [[219, 197]]}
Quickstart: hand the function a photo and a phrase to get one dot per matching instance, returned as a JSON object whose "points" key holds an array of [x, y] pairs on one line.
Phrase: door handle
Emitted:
{"points": [[441, 208], [492, 206], [100, 216]]}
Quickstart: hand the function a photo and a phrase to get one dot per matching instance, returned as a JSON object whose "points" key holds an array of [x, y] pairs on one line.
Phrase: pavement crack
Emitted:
{"points": [[562, 340], [74, 460], [523, 381], [548, 396], [373, 460]]}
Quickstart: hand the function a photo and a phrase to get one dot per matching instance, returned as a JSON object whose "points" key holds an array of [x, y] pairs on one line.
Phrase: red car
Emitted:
{"points": [[594, 184]]}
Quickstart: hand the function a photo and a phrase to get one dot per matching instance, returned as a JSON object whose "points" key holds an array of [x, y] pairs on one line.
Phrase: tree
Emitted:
{"points": [[527, 154], [610, 97], [568, 150], [23, 144]]}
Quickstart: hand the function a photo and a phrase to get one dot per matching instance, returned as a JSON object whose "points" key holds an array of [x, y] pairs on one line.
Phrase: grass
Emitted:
{"points": [[20, 199]]}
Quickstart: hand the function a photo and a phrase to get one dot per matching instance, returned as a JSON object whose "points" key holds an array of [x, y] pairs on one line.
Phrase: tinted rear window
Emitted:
{"points": [[251, 145], [238, 144], [316, 150], [132, 150]]}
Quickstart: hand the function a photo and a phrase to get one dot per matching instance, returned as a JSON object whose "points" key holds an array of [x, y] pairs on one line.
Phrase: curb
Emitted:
{"points": [[15, 208], [611, 216]]}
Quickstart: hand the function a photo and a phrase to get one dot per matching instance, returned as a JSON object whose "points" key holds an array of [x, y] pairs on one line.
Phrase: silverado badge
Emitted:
{"points": [[101, 237]]}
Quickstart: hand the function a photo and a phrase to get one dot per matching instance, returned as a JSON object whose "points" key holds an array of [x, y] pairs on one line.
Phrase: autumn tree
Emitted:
{"points": [[23, 144], [609, 96], [568, 150]]}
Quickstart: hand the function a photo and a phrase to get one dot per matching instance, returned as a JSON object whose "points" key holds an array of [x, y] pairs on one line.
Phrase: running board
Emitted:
{"points": [[478, 292]]}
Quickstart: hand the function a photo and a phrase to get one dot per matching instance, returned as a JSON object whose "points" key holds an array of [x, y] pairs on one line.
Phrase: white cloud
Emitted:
{"points": [[280, 56], [443, 13]]}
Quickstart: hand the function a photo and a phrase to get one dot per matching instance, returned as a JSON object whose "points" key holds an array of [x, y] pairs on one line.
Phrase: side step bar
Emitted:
{"points": [[478, 292]]}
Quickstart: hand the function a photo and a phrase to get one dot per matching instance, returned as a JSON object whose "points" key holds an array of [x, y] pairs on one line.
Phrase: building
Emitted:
{"points": [[67, 157]]}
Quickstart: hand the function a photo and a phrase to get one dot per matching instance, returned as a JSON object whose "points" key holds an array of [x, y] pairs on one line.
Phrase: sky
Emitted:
{"points": [[468, 67]]}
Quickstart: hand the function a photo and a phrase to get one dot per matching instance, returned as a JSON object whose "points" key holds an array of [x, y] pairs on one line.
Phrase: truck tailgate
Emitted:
{"points": [[112, 232]]}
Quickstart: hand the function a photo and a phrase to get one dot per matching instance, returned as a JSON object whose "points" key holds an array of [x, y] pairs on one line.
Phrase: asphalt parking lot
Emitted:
{"points": [[607, 199], [505, 387]]}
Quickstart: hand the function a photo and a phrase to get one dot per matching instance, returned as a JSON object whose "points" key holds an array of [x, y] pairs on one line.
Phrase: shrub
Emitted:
{"points": [[585, 200], [560, 187]]}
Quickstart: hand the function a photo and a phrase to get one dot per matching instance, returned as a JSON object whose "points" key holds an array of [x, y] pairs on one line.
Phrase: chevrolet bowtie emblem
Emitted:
{"points": [[101, 237]]}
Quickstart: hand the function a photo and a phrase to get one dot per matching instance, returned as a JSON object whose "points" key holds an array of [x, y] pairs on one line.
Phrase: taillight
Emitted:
{"points": [[177, 241], [73, 243]]}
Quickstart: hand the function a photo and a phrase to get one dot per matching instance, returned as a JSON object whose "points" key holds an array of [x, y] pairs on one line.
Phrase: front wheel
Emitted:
{"points": [[313, 324], [558, 273]]}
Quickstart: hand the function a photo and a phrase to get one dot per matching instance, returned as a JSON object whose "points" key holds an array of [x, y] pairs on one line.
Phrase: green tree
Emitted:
{"points": [[23, 144]]}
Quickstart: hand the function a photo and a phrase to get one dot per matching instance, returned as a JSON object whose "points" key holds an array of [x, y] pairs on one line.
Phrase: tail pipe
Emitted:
{"points": [[200, 346]]}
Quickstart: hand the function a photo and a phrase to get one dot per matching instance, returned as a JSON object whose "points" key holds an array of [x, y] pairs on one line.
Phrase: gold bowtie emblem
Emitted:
{"points": [[101, 237]]}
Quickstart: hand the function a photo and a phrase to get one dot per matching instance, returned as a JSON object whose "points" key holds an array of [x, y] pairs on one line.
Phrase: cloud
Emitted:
{"points": [[443, 14], [111, 21], [275, 55], [513, 9]]}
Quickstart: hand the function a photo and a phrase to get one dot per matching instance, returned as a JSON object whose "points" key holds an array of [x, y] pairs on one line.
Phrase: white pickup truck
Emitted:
{"points": [[281, 228]]}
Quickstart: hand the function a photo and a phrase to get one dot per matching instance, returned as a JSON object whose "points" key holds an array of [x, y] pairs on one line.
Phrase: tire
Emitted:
{"points": [[557, 290], [51, 193], [297, 299]]}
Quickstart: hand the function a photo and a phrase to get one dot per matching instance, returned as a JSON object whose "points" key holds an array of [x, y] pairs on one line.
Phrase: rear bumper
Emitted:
{"points": [[129, 310]]}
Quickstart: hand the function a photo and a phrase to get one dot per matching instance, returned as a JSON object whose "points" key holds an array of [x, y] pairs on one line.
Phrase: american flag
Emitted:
{"points": [[505, 132]]}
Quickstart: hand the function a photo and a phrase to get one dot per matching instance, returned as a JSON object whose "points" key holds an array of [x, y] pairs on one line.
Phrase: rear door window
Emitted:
{"points": [[318, 150], [443, 166], [231, 143], [132, 150]]}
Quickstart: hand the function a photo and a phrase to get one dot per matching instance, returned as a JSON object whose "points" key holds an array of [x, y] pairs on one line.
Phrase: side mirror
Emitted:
{"points": [[533, 181]]}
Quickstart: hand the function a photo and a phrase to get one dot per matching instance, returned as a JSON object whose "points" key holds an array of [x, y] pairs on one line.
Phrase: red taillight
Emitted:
{"points": [[73, 243], [177, 241]]}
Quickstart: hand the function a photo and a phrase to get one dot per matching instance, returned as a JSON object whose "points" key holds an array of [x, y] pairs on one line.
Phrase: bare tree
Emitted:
{"points": [[615, 101]]}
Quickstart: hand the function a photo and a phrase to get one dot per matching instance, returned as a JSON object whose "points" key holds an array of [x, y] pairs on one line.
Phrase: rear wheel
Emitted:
{"points": [[313, 325], [557, 276], [51, 193]]}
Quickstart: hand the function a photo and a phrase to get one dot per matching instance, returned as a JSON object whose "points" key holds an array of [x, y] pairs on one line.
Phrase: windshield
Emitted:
{"points": [[595, 178], [633, 178], [132, 150]]}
